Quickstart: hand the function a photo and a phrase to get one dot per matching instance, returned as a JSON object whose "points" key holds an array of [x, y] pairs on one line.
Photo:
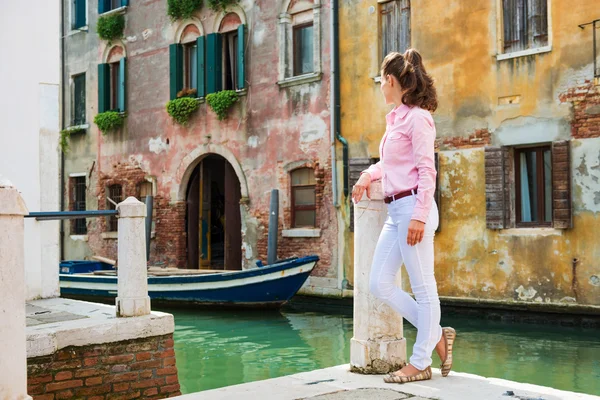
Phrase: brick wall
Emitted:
{"points": [[169, 245], [586, 110], [287, 247], [479, 138], [135, 369]]}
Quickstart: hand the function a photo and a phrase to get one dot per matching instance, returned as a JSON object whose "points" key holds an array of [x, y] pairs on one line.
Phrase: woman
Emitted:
{"points": [[408, 174]]}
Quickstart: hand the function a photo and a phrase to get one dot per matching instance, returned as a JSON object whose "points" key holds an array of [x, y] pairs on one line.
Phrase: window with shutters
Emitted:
{"points": [[525, 25], [395, 26], [528, 186], [231, 45], [114, 193], [78, 188], [303, 49], [300, 43], [111, 82], [303, 196], [187, 60], [78, 14], [78, 111], [105, 6]]}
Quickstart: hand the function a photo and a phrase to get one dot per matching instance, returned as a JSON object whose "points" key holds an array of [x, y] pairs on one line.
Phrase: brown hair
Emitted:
{"points": [[416, 83]]}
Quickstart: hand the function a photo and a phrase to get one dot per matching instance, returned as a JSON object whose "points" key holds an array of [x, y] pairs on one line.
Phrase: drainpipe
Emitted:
{"points": [[335, 77], [332, 122], [62, 125]]}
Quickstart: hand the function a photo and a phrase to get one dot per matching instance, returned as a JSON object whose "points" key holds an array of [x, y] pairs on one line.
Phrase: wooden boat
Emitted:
{"points": [[265, 286]]}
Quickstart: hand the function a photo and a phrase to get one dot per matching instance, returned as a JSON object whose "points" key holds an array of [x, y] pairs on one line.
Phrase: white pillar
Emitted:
{"points": [[132, 287], [13, 359], [378, 345]]}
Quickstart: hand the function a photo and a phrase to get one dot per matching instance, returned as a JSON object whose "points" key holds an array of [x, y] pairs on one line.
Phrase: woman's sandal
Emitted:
{"points": [[419, 376], [449, 337]]}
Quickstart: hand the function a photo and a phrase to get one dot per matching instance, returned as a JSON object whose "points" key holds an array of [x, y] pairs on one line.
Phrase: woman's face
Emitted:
{"points": [[387, 88]]}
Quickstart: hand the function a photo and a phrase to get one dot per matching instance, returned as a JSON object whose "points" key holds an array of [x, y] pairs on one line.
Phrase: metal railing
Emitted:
{"points": [[66, 215]]}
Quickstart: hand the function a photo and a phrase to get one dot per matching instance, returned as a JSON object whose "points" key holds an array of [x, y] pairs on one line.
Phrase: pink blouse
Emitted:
{"points": [[407, 157]]}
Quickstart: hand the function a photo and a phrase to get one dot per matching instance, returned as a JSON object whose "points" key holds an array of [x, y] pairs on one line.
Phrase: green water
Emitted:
{"points": [[226, 347]]}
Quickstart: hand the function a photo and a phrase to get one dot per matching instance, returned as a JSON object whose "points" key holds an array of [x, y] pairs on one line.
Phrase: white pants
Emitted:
{"points": [[391, 251]]}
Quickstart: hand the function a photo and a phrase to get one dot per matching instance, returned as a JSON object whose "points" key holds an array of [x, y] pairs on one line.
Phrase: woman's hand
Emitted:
{"points": [[416, 229], [363, 184]]}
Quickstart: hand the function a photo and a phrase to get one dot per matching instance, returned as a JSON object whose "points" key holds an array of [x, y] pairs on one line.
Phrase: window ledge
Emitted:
{"points": [[120, 10], [83, 126], [523, 53], [302, 233], [242, 92], [83, 238], [531, 232], [110, 235], [75, 31], [300, 79]]}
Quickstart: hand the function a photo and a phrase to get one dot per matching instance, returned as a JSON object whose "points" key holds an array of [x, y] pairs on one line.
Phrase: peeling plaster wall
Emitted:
{"points": [[269, 127], [555, 100], [517, 264]]}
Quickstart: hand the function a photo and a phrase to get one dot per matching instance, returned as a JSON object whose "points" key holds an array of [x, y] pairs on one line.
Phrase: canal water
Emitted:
{"points": [[227, 347]]}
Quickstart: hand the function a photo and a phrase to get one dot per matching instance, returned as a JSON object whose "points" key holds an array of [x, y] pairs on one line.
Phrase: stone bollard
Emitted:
{"points": [[132, 273], [378, 345], [13, 359]]}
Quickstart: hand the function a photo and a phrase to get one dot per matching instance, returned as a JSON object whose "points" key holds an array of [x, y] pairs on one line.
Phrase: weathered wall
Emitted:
{"points": [[135, 369], [553, 98], [269, 128]]}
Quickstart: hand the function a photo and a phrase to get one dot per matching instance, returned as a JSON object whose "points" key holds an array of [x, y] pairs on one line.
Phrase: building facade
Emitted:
{"points": [[518, 129], [210, 178], [29, 155]]}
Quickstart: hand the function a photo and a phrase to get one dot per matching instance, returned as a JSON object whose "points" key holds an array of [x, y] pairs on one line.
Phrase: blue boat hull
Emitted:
{"points": [[265, 286]]}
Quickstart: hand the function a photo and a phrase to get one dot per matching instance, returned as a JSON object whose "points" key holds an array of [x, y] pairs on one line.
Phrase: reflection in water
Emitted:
{"points": [[226, 347]]}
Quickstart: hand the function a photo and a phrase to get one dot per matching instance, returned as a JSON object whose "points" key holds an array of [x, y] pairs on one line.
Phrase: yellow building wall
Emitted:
{"points": [[459, 41]]}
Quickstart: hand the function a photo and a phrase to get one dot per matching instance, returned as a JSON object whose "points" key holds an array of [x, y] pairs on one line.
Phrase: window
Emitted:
{"points": [[190, 65], [78, 226], [109, 5], [395, 26], [299, 43], [303, 49], [304, 208], [112, 86], [230, 62], [115, 193], [78, 14], [528, 187], [533, 183], [79, 100], [187, 63], [525, 24], [145, 189], [225, 56]]}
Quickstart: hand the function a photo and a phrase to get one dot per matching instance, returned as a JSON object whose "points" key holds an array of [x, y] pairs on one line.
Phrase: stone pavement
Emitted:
{"points": [[338, 383]]}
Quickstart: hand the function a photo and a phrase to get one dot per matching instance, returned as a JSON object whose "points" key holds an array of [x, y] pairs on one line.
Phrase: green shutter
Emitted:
{"points": [[214, 74], [122, 85], [124, 3], [103, 6], [241, 59], [175, 69], [80, 14], [103, 88], [201, 73]]}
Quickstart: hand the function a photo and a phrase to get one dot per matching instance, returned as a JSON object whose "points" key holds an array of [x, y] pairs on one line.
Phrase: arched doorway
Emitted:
{"points": [[213, 220]]}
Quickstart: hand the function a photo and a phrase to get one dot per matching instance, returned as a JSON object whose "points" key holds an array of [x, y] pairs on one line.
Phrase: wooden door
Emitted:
{"points": [[193, 207], [204, 218]]}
